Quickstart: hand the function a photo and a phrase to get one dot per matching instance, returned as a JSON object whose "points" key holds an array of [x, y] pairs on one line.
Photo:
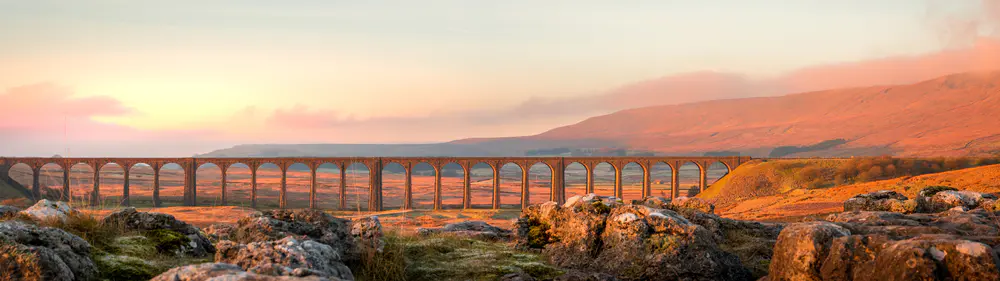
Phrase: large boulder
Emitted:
{"points": [[882, 200], [157, 224], [948, 199], [288, 256], [50, 211], [976, 225], [632, 242], [224, 271], [43, 253], [926, 257], [801, 248], [303, 224], [472, 229], [861, 245]]}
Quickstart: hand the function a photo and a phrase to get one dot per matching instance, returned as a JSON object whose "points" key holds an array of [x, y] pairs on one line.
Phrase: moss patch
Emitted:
{"points": [[167, 241], [446, 257], [135, 246], [115, 267]]}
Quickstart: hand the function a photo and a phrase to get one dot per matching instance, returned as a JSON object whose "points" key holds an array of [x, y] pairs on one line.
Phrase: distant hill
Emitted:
{"points": [[948, 116]]}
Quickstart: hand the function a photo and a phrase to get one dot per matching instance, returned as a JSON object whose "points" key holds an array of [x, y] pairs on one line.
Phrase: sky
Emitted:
{"points": [[176, 78]]}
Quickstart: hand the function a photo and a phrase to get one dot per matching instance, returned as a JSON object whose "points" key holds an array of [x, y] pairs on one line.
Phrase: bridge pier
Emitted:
{"points": [[375, 187], [282, 192], [156, 186], [408, 188], [65, 188], [590, 179], [343, 186], [36, 186], [703, 179], [253, 186], [525, 187], [312, 188], [675, 182], [496, 186], [224, 169], [437, 188], [647, 184], [467, 188], [618, 182], [125, 188], [95, 194]]}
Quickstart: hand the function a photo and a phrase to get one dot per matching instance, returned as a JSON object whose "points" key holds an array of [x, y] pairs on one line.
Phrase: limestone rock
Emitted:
{"points": [[44, 253], [306, 224], [948, 199], [45, 210], [693, 203], [220, 231], [224, 271], [882, 200], [801, 249], [288, 256], [129, 219], [367, 232], [633, 242], [472, 229]]}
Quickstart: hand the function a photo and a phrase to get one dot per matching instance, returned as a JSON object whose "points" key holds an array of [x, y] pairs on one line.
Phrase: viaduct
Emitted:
{"points": [[375, 165]]}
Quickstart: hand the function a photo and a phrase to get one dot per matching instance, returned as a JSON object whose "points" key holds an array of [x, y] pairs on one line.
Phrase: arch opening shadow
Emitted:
{"points": [[208, 188], [540, 183], [298, 178], [510, 186], [112, 186], [575, 178], [81, 184], [358, 187], [632, 177], [51, 181], [171, 185], [689, 178], [268, 186], [452, 185], [716, 171], [422, 186], [328, 186], [238, 189], [140, 185], [393, 186], [604, 179], [660, 180], [482, 185]]}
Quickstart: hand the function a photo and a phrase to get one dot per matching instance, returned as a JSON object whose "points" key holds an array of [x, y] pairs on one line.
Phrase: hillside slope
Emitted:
{"points": [[806, 202], [951, 115]]}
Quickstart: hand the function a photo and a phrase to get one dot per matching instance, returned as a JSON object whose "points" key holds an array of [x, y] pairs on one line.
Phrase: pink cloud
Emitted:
{"points": [[38, 105]]}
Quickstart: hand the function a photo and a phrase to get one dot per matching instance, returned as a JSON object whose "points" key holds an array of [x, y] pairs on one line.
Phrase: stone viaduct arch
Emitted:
{"points": [[375, 165]]}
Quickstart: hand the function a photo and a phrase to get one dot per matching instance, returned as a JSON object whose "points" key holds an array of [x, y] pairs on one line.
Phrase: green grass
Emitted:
{"points": [[447, 257]]}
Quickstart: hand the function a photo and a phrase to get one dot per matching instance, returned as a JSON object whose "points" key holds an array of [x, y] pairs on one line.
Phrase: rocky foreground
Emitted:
{"points": [[943, 234]]}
